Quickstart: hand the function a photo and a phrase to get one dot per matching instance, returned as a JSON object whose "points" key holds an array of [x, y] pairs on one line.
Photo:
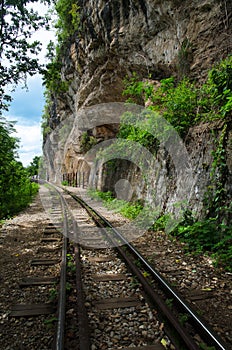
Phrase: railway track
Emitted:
{"points": [[151, 282], [114, 299]]}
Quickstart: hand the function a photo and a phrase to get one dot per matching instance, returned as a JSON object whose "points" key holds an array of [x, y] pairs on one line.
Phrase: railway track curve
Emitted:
{"points": [[118, 300]]}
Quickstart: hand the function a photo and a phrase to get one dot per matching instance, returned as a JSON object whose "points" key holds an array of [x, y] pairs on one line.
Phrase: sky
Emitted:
{"points": [[26, 109], [27, 106]]}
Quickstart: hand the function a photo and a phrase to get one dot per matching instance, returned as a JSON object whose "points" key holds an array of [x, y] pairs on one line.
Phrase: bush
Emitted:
{"points": [[16, 192], [64, 183], [87, 142], [129, 210], [208, 236], [16, 189], [183, 103]]}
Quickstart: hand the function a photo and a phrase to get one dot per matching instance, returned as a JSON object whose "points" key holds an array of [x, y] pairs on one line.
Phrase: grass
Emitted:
{"points": [[129, 210]]}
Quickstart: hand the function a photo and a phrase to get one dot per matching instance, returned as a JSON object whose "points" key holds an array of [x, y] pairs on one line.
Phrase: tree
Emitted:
{"points": [[18, 21], [16, 190], [33, 168], [8, 147]]}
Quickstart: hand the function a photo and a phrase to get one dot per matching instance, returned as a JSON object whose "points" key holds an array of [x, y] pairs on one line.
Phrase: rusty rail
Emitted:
{"points": [[208, 334]]}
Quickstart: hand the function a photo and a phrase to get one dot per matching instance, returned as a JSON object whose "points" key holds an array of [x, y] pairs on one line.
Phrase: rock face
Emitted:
{"points": [[151, 37], [155, 39]]}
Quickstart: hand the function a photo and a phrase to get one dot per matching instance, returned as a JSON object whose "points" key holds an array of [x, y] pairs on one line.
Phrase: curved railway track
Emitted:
{"points": [[117, 298], [133, 258]]}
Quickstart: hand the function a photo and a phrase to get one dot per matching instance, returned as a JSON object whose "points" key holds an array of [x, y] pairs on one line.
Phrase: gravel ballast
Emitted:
{"points": [[191, 274]]}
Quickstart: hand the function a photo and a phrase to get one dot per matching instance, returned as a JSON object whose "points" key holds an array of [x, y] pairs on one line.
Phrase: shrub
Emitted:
{"points": [[183, 103], [16, 189], [129, 210], [208, 236]]}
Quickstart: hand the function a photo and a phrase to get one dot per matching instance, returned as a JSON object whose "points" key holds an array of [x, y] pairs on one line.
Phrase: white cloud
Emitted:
{"points": [[43, 35], [30, 140]]}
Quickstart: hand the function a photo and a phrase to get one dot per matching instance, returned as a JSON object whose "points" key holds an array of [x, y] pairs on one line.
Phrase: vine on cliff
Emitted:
{"points": [[67, 25], [68, 19]]}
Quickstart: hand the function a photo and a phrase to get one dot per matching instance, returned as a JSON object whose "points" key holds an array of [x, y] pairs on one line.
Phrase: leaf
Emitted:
{"points": [[164, 343], [206, 289]]}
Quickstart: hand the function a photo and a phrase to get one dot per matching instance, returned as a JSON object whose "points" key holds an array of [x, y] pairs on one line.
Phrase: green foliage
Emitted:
{"points": [[16, 189], [71, 266], [68, 19], [216, 195], [46, 129], [220, 81], [134, 283], [213, 234], [133, 129], [70, 261], [68, 287], [52, 74], [184, 103], [33, 168], [183, 318], [67, 26], [222, 251], [216, 94], [169, 302], [208, 236], [8, 143], [50, 321], [87, 142], [105, 196], [137, 90], [161, 222], [64, 183], [129, 210], [204, 236], [52, 77], [18, 21], [53, 294], [180, 106]]}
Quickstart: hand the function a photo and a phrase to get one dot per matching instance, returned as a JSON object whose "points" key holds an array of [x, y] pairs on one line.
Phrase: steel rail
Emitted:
{"points": [[210, 336], [186, 338], [60, 333], [83, 324], [59, 345], [59, 340]]}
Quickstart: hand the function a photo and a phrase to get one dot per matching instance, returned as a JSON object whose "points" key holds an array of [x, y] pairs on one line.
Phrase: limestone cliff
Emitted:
{"points": [[151, 37], [156, 39]]}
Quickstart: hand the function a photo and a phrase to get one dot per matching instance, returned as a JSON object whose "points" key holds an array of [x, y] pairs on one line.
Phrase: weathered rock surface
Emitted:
{"points": [[156, 39]]}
